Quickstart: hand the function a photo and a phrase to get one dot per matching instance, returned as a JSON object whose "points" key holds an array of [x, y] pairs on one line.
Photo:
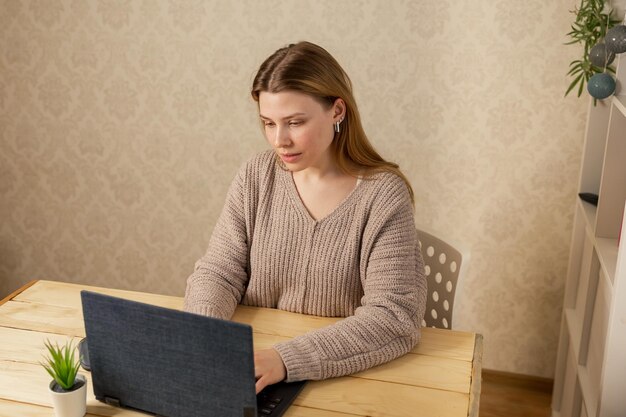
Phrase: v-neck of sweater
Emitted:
{"points": [[292, 191]]}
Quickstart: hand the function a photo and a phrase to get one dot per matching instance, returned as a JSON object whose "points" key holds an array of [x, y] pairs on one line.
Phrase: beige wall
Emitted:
{"points": [[122, 124]]}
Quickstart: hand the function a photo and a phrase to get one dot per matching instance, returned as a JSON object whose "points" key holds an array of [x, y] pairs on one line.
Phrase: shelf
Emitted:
{"points": [[590, 377], [594, 148], [620, 103], [589, 210], [613, 180], [589, 393], [607, 255], [575, 331]]}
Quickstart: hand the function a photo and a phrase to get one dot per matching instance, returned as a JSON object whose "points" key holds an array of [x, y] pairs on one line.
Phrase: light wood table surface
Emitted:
{"points": [[440, 377]]}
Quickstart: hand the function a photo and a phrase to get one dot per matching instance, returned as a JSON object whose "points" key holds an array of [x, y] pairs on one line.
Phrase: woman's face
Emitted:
{"points": [[299, 128]]}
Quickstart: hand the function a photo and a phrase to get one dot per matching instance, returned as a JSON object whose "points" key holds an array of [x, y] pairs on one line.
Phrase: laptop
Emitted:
{"points": [[172, 363]]}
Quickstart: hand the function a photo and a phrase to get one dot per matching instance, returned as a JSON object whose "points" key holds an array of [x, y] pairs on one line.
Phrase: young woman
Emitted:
{"points": [[320, 225]]}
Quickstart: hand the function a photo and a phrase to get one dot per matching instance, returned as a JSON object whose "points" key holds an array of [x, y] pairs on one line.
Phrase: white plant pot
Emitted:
{"points": [[71, 403]]}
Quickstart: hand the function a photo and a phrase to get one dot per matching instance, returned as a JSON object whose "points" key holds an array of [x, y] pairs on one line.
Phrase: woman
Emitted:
{"points": [[321, 225]]}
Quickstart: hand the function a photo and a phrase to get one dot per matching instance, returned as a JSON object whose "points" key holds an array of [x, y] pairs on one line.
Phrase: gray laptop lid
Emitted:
{"points": [[168, 362]]}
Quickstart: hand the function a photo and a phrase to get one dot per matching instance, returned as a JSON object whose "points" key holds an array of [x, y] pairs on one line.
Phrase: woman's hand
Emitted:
{"points": [[268, 368]]}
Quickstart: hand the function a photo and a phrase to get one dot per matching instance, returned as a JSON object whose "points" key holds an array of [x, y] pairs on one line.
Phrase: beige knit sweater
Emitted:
{"points": [[361, 262]]}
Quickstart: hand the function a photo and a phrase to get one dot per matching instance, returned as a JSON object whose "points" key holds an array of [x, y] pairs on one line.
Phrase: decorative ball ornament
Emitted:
{"points": [[601, 86], [615, 39], [601, 56]]}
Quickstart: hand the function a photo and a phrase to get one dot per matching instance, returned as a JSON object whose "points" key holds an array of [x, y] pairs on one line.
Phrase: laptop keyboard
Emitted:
{"points": [[275, 399], [266, 404]]}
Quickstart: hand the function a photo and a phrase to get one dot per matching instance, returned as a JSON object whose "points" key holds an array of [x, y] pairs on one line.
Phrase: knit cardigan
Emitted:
{"points": [[361, 262]]}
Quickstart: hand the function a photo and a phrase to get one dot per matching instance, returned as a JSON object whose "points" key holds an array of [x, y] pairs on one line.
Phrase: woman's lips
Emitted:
{"points": [[290, 158]]}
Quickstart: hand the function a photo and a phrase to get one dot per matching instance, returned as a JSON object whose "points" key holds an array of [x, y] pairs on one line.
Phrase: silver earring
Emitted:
{"points": [[337, 126]]}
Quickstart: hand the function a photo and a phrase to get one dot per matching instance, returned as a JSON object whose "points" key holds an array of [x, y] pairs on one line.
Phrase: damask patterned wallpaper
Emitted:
{"points": [[123, 122]]}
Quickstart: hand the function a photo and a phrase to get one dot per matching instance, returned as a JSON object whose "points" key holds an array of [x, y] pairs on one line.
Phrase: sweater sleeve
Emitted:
{"points": [[387, 324], [220, 276]]}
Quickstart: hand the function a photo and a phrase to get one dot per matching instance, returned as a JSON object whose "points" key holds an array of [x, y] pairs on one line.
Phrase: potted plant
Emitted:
{"points": [[67, 388], [593, 19]]}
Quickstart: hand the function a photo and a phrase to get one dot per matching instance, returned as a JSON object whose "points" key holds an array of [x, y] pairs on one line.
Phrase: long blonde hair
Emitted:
{"points": [[310, 69]]}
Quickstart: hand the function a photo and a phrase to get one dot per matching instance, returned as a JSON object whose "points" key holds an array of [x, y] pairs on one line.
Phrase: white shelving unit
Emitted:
{"points": [[590, 379]]}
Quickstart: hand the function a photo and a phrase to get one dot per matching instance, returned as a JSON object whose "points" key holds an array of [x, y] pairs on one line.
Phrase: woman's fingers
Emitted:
{"points": [[268, 368]]}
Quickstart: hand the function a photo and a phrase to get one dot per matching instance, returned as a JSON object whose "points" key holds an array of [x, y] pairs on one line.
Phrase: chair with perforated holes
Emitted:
{"points": [[444, 264]]}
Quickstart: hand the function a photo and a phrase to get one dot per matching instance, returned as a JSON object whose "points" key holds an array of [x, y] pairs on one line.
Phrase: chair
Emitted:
{"points": [[442, 262]]}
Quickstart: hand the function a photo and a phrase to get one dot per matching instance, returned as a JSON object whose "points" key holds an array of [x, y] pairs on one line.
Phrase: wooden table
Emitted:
{"points": [[440, 377]]}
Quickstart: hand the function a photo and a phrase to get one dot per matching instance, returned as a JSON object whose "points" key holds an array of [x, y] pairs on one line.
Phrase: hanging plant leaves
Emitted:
{"points": [[593, 19]]}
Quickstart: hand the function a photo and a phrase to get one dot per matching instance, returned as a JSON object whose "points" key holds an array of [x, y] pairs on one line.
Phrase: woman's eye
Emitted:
{"points": [[295, 123], [268, 124]]}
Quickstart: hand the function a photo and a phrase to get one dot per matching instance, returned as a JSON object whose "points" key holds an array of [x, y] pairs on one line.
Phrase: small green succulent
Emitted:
{"points": [[61, 364]]}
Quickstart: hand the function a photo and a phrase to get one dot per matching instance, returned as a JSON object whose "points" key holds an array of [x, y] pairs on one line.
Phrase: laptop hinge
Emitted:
{"points": [[112, 401]]}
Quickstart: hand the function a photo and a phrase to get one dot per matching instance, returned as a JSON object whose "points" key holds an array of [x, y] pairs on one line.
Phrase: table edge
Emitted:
{"points": [[18, 291], [474, 402]]}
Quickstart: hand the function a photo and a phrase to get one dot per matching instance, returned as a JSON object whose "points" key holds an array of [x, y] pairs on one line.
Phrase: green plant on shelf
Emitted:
{"points": [[593, 19]]}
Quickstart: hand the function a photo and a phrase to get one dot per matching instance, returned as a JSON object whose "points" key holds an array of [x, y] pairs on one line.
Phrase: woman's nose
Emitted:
{"points": [[281, 137]]}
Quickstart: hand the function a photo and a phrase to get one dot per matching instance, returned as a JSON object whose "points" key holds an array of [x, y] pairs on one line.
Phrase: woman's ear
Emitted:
{"points": [[339, 110]]}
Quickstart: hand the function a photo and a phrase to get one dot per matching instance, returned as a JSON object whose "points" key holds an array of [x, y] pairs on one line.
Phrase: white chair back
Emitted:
{"points": [[442, 262]]}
